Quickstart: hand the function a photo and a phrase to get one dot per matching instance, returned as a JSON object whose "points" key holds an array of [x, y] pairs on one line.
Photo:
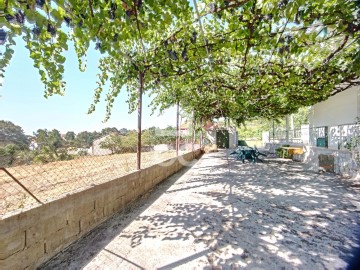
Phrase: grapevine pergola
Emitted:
{"points": [[237, 59]]}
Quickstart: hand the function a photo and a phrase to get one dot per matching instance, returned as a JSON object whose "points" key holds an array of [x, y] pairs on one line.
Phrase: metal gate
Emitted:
{"points": [[222, 138]]}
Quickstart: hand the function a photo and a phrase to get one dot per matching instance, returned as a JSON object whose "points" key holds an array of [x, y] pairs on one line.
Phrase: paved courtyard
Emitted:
{"points": [[222, 214]]}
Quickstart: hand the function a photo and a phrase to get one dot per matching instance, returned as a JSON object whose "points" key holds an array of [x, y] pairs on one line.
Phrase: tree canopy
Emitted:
{"points": [[238, 59], [12, 134]]}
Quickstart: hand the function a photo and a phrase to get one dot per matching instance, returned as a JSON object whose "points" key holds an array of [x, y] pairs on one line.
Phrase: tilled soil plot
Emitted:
{"points": [[53, 180]]}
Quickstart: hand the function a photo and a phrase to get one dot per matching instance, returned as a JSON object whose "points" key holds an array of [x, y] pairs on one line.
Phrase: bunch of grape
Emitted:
{"points": [[116, 37], [9, 18], [184, 54], [51, 29], [98, 45], [138, 3], [3, 36], [172, 54], [193, 37], [20, 17], [67, 21], [36, 30], [40, 3], [283, 3], [112, 11]]}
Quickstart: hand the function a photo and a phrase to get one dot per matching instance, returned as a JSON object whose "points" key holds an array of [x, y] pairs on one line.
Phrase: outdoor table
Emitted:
{"points": [[290, 151], [246, 152]]}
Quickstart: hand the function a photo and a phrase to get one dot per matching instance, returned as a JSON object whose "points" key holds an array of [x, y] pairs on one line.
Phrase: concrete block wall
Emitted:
{"points": [[29, 238]]}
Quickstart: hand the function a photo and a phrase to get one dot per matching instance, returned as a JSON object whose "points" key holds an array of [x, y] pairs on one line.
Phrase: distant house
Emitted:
{"points": [[221, 135], [185, 129], [33, 144], [333, 122], [96, 149], [334, 134]]}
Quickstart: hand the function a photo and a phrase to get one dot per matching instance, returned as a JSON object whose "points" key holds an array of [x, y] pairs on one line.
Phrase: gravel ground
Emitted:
{"points": [[222, 214]]}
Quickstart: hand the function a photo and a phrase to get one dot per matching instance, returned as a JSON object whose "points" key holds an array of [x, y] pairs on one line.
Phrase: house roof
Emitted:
{"points": [[211, 125], [185, 126]]}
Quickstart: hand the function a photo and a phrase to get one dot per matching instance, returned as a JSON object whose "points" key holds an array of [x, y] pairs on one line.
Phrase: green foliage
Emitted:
{"points": [[254, 128], [118, 143], [130, 140], [46, 155], [279, 151], [107, 131], [70, 136], [12, 134], [113, 143], [160, 136], [50, 141], [25, 157], [353, 143], [301, 117], [83, 153], [7, 154], [249, 59], [85, 139], [51, 147]]}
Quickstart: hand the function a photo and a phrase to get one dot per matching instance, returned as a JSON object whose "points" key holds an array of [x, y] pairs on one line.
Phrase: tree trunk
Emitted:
{"points": [[193, 135], [177, 129], [292, 127], [141, 87], [287, 128]]}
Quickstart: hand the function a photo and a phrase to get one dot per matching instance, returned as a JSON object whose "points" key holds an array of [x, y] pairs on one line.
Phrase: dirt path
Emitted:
{"points": [[231, 215]]}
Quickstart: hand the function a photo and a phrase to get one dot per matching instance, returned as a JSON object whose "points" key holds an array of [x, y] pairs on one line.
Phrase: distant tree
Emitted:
{"points": [[170, 128], [84, 139], [70, 136], [96, 135], [25, 157], [130, 140], [51, 146], [148, 137], [302, 116], [49, 141], [8, 154], [113, 143], [40, 136], [12, 134], [107, 131], [70, 139], [123, 131]]}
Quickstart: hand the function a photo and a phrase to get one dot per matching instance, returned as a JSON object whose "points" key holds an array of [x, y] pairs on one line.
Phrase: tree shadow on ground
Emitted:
{"points": [[81, 252], [262, 215], [267, 215]]}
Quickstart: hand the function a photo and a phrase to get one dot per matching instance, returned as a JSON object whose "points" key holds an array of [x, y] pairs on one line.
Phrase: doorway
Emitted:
{"points": [[222, 138]]}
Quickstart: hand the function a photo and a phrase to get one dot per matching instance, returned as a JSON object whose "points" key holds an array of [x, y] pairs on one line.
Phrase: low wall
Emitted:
{"points": [[344, 163], [29, 238]]}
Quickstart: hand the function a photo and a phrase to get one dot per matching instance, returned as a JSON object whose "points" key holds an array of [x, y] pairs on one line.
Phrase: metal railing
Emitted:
{"points": [[345, 136], [293, 135]]}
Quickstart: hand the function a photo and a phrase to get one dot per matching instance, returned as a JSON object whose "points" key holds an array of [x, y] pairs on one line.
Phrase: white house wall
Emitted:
{"points": [[96, 149], [343, 108], [211, 135], [233, 136], [337, 113]]}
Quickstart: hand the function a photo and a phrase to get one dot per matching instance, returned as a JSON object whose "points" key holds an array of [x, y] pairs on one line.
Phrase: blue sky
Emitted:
{"points": [[22, 99]]}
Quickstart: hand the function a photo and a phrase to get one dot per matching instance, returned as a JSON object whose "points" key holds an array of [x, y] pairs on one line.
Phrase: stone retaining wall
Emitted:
{"points": [[29, 238]]}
